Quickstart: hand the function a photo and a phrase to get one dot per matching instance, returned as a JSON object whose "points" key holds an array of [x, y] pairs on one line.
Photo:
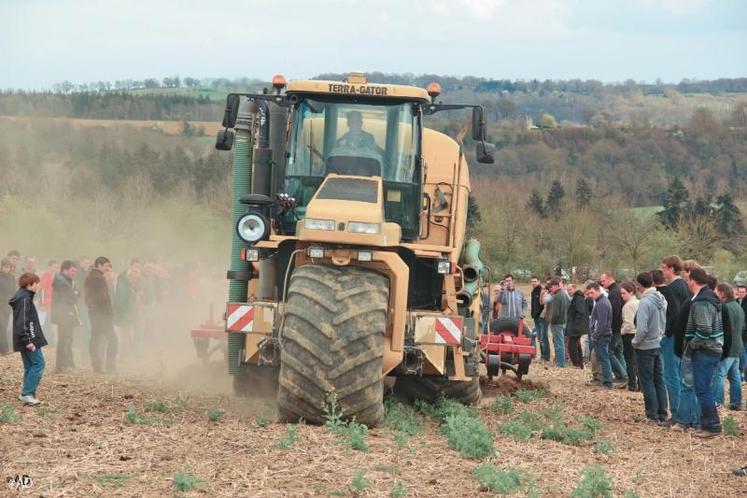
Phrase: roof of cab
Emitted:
{"points": [[358, 89]]}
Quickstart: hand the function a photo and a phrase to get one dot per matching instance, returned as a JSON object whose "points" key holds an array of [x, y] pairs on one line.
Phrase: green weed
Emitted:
{"points": [[289, 439], [463, 428], [46, 411], [356, 435], [113, 479], [468, 436], [730, 426], [595, 483], [516, 430], [400, 439], [399, 490], [388, 469], [132, 418], [402, 418], [359, 483], [157, 407], [497, 480], [503, 405], [261, 422], [8, 414], [529, 395], [573, 436], [591, 423], [214, 414], [532, 420], [184, 481], [604, 447], [554, 412]]}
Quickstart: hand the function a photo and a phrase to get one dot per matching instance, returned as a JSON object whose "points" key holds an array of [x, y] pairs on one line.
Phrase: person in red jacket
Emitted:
{"points": [[44, 296]]}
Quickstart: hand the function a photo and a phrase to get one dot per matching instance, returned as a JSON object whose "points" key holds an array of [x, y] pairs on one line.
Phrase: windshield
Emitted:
{"points": [[354, 139], [362, 139]]}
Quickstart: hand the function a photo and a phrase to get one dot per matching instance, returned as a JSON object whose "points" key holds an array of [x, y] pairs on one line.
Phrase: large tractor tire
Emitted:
{"points": [[254, 381], [429, 389], [333, 344]]}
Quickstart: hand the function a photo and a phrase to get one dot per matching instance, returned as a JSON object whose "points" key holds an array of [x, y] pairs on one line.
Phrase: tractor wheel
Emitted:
{"points": [[333, 344], [412, 387], [254, 381]]}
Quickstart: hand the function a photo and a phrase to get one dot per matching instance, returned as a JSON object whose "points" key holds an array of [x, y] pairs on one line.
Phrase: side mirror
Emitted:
{"points": [[232, 110], [485, 153], [224, 140], [478, 123]]}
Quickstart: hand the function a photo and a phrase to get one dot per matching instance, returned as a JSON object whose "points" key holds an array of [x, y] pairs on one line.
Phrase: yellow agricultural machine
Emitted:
{"points": [[349, 259]]}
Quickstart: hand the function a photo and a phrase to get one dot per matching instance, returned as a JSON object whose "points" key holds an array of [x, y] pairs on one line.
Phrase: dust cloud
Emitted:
{"points": [[69, 192]]}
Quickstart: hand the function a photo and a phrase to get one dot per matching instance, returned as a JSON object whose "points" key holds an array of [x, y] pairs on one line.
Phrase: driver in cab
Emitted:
{"points": [[356, 138]]}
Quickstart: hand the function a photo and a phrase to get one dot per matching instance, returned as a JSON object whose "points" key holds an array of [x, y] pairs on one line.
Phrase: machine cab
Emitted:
{"points": [[360, 136]]}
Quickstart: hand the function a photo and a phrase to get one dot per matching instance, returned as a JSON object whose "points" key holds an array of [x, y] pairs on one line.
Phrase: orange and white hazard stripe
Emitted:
{"points": [[449, 331], [239, 317]]}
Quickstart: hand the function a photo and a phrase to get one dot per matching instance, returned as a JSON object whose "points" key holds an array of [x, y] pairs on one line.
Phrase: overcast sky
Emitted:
{"points": [[43, 42]]}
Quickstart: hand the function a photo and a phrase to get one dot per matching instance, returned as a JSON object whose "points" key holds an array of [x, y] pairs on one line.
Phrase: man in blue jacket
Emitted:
{"points": [[600, 325], [650, 323]]}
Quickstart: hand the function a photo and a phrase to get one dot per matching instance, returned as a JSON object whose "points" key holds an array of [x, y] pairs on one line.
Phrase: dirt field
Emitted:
{"points": [[166, 127], [81, 442]]}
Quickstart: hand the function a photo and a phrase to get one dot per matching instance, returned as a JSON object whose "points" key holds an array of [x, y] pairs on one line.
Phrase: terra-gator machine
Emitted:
{"points": [[349, 261]]}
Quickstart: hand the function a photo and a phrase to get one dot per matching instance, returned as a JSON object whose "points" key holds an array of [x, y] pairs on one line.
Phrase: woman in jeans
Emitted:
{"points": [[28, 338], [630, 308]]}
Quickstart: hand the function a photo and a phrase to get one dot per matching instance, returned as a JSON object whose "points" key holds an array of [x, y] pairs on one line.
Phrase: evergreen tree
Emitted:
{"points": [[473, 213], [536, 204], [729, 218], [583, 193], [555, 199], [676, 204]]}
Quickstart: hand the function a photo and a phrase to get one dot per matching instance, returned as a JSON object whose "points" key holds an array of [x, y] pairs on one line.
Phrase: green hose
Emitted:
{"points": [[242, 180]]}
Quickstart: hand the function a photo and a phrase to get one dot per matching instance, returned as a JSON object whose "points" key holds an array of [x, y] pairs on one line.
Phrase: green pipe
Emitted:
{"points": [[242, 180]]}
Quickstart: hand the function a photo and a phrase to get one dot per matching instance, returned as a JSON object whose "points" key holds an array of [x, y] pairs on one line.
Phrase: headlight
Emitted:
{"points": [[252, 227], [444, 266], [313, 224], [359, 227]]}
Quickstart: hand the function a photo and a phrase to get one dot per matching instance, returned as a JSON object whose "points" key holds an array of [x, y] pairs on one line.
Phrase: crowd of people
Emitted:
{"points": [[675, 334], [78, 301]]}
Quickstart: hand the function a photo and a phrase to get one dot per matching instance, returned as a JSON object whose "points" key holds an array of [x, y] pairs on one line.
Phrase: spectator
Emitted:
{"points": [[558, 319], [540, 325], [650, 323], [13, 257], [732, 317], [7, 289], [630, 308], [65, 313], [28, 337], [98, 300], [84, 266], [687, 414], [577, 325], [125, 306], [704, 336], [29, 265], [44, 296], [600, 324], [617, 358], [742, 300], [513, 304]]}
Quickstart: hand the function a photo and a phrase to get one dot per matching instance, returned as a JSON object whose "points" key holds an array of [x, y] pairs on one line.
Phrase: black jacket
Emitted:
{"points": [[65, 302], [98, 299], [26, 326], [578, 316], [616, 301], [680, 324], [744, 332], [537, 306], [676, 294]]}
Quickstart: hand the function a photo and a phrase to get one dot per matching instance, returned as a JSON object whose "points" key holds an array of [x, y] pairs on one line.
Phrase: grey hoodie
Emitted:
{"points": [[651, 320]]}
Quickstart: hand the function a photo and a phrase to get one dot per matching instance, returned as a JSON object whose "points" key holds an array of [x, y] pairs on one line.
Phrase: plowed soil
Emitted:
{"points": [[79, 443]]}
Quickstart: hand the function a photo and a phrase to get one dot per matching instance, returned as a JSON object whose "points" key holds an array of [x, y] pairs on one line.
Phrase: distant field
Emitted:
{"points": [[167, 127]]}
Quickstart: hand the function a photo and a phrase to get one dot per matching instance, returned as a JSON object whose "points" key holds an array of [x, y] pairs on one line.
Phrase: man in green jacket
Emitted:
{"points": [[733, 320], [558, 319]]}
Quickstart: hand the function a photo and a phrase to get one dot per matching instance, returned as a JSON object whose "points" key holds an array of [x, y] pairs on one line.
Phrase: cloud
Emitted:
{"points": [[676, 7]]}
